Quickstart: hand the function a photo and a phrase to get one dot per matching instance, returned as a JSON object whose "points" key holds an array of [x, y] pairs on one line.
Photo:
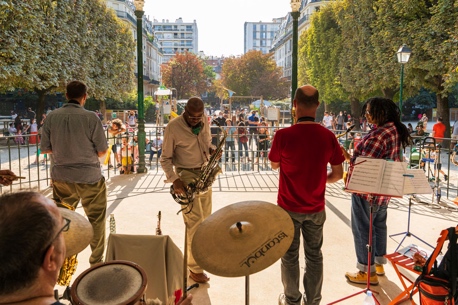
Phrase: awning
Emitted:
{"points": [[163, 92]]}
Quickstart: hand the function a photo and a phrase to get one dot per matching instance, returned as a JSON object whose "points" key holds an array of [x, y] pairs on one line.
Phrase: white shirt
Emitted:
{"points": [[327, 121]]}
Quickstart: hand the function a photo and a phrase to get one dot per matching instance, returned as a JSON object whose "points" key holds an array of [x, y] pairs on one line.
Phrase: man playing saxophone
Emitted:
{"points": [[185, 150]]}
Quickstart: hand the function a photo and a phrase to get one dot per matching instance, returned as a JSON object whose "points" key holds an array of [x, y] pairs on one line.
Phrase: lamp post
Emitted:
{"points": [[141, 109], [403, 57], [295, 6]]}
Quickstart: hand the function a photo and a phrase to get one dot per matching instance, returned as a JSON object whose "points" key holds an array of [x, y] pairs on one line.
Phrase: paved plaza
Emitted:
{"points": [[135, 201]]}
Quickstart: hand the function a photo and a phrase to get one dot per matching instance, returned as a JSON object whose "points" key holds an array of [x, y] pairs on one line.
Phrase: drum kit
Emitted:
{"points": [[242, 239], [115, 282], [237, 240]]}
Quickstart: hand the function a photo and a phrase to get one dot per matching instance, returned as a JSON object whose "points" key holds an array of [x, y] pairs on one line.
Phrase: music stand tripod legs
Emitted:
{"points": [[369, 259], [408, 233]]}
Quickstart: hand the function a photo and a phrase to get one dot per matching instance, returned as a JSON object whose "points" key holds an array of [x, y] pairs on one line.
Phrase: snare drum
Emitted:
{"points": [[116, 282]]}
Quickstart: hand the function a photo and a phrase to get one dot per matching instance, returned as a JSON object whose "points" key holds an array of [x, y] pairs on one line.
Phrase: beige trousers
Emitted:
{"points": [[202, 208], [94, 201]]}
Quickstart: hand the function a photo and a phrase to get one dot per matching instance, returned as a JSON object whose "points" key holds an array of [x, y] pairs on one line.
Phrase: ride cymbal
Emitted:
{"points": [[242, 238], [79, 234]]}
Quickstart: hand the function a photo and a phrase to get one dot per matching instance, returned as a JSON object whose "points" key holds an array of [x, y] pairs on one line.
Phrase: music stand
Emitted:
{"points": [[408, 233], [369, 259]]}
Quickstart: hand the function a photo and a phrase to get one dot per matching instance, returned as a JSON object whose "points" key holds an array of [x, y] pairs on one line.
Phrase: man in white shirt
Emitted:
{"points": [[327, 120], [156, 147]]}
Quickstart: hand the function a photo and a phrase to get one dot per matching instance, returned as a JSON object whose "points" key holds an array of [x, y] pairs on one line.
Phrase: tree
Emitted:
{"points": [[59, 41], [185, 72], [254, 74], [429, 28]]}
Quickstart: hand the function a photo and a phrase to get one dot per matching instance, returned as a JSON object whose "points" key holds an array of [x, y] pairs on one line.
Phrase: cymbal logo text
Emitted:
{"points": [[261, 251]]}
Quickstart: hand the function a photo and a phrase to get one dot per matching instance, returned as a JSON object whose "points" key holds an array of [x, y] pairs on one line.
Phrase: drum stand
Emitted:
{"points": [[408, 233], [369, 257]]}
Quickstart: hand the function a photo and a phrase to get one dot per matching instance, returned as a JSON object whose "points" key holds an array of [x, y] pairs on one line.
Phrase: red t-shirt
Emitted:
{"points": [[304, 151], [439, 130]]}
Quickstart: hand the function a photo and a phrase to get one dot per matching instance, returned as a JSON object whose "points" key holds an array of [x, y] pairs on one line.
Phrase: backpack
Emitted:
{"points": [[438, 284]]}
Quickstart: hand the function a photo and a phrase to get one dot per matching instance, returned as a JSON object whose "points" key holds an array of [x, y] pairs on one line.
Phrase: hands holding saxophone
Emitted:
{"points": [[7, 177]]}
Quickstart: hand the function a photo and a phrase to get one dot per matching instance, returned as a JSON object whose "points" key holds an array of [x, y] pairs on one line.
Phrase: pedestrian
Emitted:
{"points": [[156, 148], [186, 148], [454, 136], [303, 177], [242, 141], [424, 120], [31, 114], [439, 130], [76, 139], [385, 141], [230, 141], [340, 122], [115, 129]]}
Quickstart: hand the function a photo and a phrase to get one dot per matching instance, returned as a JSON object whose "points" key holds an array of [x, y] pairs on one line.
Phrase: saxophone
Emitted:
{"points": [[210, 171], [70, 263]]}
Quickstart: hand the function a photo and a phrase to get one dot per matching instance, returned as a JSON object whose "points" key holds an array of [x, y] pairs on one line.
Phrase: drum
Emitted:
{"points": [[116, 282]]}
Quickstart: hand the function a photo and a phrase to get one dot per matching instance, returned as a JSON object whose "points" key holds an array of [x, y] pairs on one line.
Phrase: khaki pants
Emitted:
{"points": [[94, 201], [202, 208]]}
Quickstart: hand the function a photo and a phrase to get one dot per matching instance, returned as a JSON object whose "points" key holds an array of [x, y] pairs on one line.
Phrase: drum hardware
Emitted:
{"points": [[158, 228], [115, 282], [77, 238], [235, 241]]}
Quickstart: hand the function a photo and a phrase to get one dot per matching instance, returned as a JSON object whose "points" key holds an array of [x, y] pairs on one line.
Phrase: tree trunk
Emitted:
{"points": [[41, 101], [443, 110], [355, 107], [389, 93], [103, 110]]}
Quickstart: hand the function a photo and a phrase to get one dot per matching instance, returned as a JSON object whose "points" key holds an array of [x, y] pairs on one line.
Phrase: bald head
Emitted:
{"points": [[195, 104], [307, 96]]}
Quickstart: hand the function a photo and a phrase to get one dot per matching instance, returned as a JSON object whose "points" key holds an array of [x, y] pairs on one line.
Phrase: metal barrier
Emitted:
{"points": [[24, 160]]}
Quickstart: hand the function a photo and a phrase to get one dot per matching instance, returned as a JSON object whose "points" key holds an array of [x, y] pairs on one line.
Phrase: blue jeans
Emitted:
{"points": [[241, 146], [311, 227], [152, 152], [360, 213]]}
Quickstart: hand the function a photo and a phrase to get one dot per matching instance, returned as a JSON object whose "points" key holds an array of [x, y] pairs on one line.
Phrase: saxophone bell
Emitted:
{"points": [[346, 131]]}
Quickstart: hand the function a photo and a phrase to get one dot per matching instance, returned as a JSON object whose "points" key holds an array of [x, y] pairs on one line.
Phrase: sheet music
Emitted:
{"points": [[418, 184], [366, 175], [393, 178]]}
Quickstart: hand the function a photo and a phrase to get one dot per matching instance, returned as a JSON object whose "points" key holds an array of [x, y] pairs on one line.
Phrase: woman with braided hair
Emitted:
{"points": [[385, 140]]}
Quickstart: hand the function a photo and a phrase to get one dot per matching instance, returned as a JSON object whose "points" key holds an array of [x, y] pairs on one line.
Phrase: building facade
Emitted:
{"points": [[176, 37], [260, 35], [152, 55], [282, 44]]}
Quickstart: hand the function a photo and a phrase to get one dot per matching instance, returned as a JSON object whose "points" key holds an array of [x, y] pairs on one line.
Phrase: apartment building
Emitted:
{"points": [[282, 44], [259, 35], [176, 37], [152, 54]]}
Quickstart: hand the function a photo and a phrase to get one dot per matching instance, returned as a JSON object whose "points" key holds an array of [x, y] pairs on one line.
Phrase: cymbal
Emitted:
{"points": [[79, 234], [242, 238]]}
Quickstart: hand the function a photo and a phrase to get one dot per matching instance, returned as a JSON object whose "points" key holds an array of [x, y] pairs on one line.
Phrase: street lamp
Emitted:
{"points": [[403, 57], [295, 6], [141, 109]]}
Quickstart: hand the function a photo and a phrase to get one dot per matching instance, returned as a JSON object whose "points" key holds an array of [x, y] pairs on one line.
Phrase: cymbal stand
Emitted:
{"points": [[369, 258], [247, 289], [408, 233]]}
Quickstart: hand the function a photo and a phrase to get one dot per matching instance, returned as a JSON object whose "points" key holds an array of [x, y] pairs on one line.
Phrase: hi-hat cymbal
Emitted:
{"points": [[242, 238], [79, 234]]}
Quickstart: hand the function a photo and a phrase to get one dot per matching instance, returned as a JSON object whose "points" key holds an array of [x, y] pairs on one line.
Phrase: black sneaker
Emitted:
{"points": [[445, 177]]}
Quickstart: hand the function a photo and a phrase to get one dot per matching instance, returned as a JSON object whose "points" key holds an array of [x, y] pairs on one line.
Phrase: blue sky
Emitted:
{"points": [[220, 23]]}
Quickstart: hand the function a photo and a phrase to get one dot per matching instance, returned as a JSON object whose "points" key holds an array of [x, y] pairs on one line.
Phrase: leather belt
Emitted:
{"points": [[192, 169]]}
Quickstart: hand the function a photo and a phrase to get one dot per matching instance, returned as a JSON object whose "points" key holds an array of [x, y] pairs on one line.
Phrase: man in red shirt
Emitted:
{"points": [[302, 186], [439, 130]]}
